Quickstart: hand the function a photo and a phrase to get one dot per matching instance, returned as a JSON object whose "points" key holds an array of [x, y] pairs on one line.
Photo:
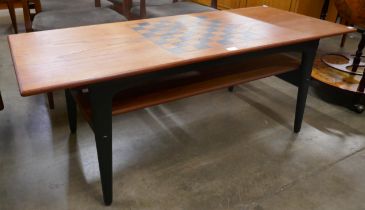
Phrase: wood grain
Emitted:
{"points": [[18, 4], [310, 27], [68, 58]]}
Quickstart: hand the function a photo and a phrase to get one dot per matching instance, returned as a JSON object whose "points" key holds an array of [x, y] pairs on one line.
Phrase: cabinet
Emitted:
{"points": [[223, 4], [313, 8], [280, 4], [306, 7]]}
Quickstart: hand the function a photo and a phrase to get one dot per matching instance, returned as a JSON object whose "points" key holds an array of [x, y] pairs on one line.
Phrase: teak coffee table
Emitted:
{"points": [[115, 68]]}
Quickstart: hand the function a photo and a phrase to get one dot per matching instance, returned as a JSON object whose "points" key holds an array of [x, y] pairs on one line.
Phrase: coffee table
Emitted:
{"points": [[121, 67]]}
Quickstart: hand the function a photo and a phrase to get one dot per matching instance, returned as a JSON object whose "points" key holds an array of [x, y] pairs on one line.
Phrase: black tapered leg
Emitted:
{"points": [[308, 56], [101, 107], [71, 111], [1, 103], [231, 89], [50, 100]]}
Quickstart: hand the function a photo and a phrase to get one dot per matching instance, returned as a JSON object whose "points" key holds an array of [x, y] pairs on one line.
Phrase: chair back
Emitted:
{"points": [[352, 11]]}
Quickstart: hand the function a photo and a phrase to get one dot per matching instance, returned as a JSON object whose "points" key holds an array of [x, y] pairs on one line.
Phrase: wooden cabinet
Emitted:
{"points": [[313, 8], [223, 4], [306, 7], [280, 4]]}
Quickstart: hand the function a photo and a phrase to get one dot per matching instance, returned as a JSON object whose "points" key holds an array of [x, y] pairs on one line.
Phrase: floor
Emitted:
{"points": [[214, 151]]}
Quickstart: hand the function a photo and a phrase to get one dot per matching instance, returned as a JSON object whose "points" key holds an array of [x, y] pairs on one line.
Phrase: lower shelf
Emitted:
{"points": [[194, 82]]}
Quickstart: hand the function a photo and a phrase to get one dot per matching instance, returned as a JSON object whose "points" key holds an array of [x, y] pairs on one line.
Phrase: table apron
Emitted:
{"points": [[112, 87]]}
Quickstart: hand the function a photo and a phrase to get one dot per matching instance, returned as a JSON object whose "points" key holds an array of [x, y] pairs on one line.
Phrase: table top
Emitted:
{"points": [[74, 57]]}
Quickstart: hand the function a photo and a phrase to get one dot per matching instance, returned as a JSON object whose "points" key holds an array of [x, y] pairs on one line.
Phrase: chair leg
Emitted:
{"points": [[11, 9], [120, 9], [1, 102], [50, 100], [97, 3], [343, 40], [357, 59], [27, 16]]}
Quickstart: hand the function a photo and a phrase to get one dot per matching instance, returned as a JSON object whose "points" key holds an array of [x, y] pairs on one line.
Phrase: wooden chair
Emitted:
{"points": [[148, 10], [353, 12], [55, 14], [10, 4]]}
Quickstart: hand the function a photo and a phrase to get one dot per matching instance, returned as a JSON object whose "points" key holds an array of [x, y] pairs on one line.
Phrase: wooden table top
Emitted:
{"points": [[68, 58]]}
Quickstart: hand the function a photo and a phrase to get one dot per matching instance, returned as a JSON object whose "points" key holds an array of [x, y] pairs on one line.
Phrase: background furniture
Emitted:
{"points": [[170, 9], [124, 7], [311, 8], [55, 14], [353, 12], [347, 76], [10, 4], [180, 68]]}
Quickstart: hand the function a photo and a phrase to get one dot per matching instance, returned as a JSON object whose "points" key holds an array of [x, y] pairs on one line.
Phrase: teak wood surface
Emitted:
{"points": [[68, 58]]}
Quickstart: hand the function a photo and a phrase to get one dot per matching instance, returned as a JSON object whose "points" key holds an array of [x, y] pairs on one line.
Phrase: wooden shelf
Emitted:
{"points": [[194, 82]]}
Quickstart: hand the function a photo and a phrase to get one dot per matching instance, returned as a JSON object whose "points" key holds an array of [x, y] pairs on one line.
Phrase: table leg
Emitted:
{"points": [[101, 108], [71, 111], [11, 8], [50, 100], [1, 102], [308, 56], [358, 55]]}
